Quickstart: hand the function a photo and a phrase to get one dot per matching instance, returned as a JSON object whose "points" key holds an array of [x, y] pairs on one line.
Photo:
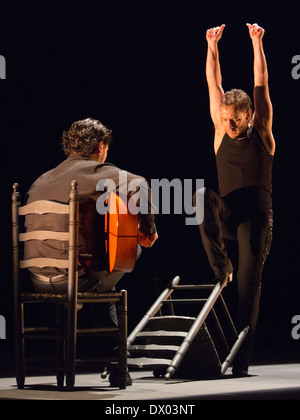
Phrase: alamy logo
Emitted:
{"points": [[2, 328], [167, 197], [2, 67], [296, 328], [296, 68]]}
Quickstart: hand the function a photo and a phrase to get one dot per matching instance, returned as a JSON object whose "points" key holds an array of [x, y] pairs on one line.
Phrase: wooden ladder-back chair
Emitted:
{"points": [[65, 332]]}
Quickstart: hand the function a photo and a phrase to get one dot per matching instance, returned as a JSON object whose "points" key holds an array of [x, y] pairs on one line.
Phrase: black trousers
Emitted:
{"points": [[253, 231]]}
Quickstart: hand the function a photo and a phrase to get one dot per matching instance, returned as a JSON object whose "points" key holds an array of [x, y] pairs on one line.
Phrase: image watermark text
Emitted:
{"points": [[2, 67], [296, 68], [296, 328], [2, 328], [159, 197]]}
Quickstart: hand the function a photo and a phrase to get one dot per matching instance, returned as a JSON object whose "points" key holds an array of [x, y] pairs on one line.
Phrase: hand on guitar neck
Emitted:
{"points": [[147, 240]]}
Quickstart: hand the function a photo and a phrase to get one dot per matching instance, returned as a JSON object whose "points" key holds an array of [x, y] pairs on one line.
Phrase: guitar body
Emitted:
{"points": [[121, 228]]}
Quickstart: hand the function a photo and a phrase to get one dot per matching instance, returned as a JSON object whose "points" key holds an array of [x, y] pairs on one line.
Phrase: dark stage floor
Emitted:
{"points": [[265, 382]]}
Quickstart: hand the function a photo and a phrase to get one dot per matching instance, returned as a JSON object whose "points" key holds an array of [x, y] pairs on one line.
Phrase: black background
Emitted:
{"points": [[139, 67]]}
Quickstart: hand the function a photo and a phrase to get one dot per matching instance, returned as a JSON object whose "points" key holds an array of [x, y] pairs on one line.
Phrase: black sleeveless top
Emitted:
{"points": [[245, 171]]}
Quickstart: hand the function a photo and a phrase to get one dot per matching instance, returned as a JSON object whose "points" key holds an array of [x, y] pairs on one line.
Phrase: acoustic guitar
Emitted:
{"points": [[121, 228]]}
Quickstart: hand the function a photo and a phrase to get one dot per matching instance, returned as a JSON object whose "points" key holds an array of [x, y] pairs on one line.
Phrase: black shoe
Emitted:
{"points": [[227, 277], [114, 379], [240, 372]]}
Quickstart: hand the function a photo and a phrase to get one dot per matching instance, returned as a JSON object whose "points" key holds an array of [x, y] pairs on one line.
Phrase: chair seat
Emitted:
{"points": [[43, 297]]}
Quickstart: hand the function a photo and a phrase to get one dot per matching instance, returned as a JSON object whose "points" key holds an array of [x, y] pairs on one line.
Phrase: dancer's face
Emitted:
{"points": [[235, 121]]}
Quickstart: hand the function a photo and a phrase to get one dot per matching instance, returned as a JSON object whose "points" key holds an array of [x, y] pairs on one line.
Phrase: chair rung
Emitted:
{"points": [[33, 336], [40, 297], [152, 347], [107, 295], [41, 333], [98, 331], [162, 333], [99, 360], [184, 301], [37, 329], [98, 299], [194, 286]]}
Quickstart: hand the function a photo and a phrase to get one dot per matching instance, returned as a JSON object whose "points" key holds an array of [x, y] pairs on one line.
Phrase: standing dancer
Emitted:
{"points": [[244, 146]]}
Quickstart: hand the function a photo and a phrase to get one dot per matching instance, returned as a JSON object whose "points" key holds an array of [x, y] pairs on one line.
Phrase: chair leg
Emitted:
{"points": [[20, 371], [60, 345], [70, 374], [19, 345], [60, 377], [71, 347], [123, 341], [70, 370]]}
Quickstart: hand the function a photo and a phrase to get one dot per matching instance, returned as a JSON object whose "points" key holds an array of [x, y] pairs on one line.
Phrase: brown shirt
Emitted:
{"points": [[55, 185]]}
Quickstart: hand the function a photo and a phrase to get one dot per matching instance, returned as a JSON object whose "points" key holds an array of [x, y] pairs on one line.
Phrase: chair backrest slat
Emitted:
{"points": [[42, 235], [44, 262], [44, 206]]}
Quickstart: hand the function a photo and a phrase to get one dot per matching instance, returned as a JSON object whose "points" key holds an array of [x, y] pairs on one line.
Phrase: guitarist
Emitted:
{"points": [[85, 145]]}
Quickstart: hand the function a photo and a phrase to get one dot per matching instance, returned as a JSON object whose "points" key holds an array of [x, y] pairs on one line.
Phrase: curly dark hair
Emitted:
{"points": [[84, 136], [237, 97]]}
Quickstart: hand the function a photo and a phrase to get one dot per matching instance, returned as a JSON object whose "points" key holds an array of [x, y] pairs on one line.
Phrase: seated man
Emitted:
{"points": [[86, 145]]}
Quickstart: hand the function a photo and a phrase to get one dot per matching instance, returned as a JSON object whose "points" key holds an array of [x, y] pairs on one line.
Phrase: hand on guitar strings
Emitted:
{"points": [[147, 241]]}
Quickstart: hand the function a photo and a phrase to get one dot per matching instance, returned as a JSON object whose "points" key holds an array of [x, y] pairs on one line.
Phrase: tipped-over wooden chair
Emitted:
{"points": [[65, 332]]}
